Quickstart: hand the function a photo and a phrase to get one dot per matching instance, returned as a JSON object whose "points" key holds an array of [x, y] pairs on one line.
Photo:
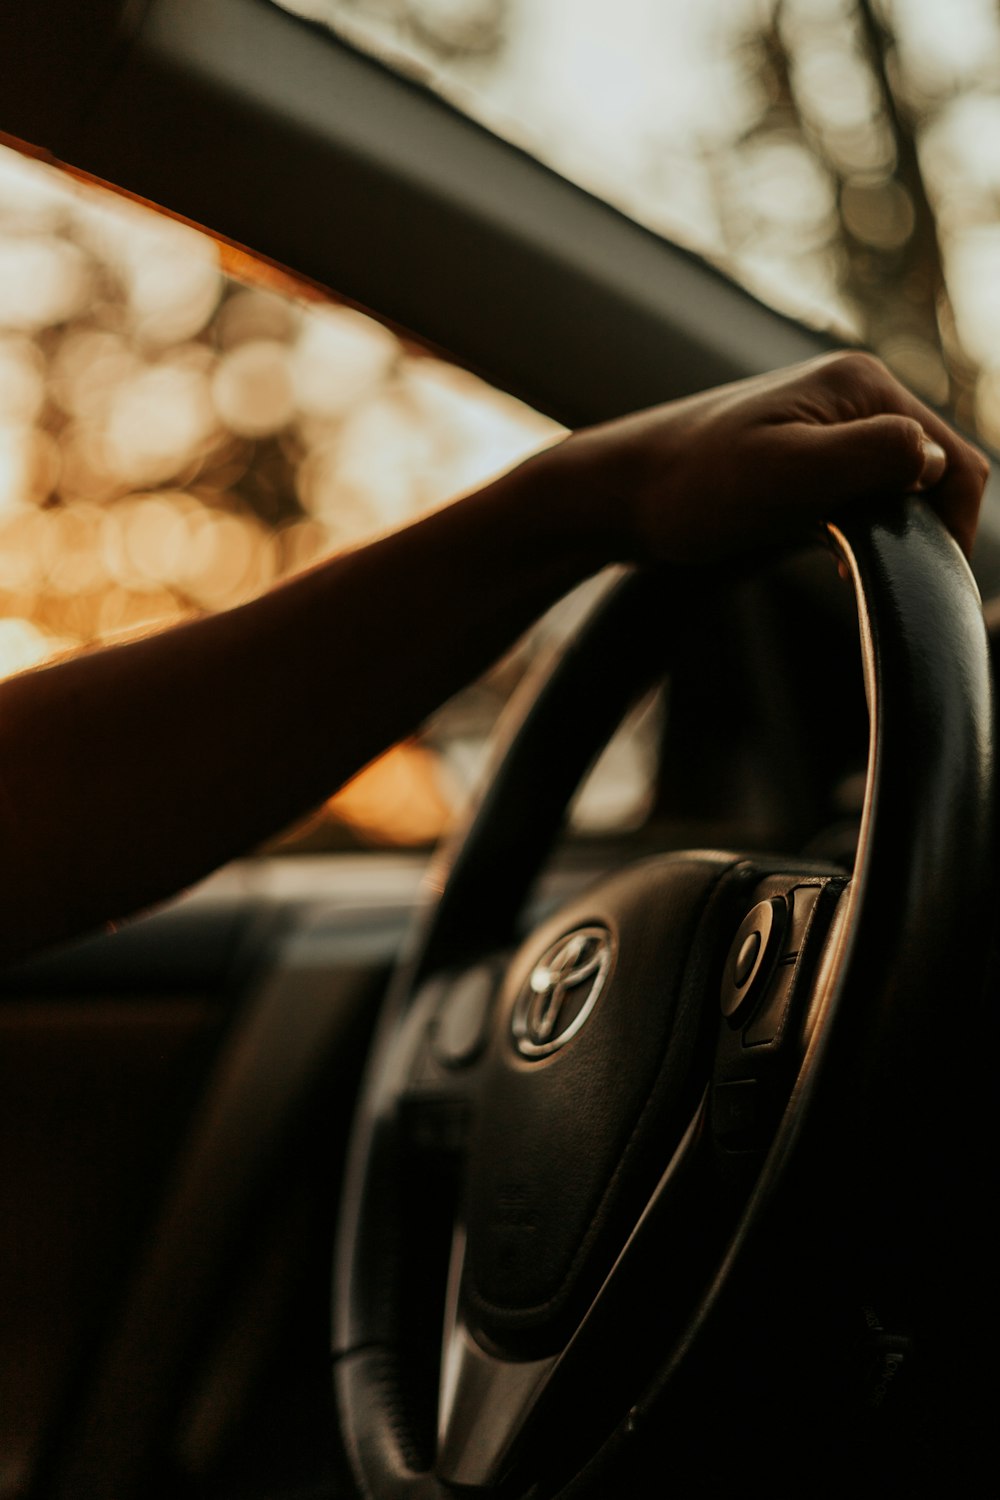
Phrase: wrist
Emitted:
{"points": [[587, 502]]}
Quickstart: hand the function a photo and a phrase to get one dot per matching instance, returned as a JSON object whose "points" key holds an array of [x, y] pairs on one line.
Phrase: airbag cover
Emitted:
{"points": [[571, 1138]]}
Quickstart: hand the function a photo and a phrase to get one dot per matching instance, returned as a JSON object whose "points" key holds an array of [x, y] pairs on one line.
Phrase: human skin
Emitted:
{"points": [[128, 772]]}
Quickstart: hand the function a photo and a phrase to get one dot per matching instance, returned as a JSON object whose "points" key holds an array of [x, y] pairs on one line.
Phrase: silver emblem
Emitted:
{"points": [[561, 991]]}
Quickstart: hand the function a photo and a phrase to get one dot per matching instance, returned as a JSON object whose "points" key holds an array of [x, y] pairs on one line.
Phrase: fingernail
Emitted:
{"points": [[935, 463]]}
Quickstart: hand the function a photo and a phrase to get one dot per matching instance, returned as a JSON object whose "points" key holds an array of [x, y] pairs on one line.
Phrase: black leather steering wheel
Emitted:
{"points": [[607, 1166]]}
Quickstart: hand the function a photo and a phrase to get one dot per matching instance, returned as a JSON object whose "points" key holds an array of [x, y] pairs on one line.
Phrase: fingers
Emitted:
{"points": [[935, 463], [896, 444], [756, 463], [953, 479], [865, 458], [959, 495]]}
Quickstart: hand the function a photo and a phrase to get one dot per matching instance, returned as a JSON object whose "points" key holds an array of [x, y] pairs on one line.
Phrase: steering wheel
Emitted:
{"points": [[650, 1182]]}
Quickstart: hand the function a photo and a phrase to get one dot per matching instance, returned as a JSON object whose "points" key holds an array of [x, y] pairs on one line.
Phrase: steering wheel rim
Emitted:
{"points": [[921, 888]]}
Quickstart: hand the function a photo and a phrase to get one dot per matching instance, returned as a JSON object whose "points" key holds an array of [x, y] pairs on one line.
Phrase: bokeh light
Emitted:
{"points": [[252, 388], [174, 441], [158, 422]]}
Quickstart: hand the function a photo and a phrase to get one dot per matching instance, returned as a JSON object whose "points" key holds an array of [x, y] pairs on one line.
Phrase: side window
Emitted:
{"points": [[180, 427]]}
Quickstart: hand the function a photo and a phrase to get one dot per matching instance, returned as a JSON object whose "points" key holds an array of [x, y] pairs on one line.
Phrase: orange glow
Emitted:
{"points": [[236, 260], [23, 645], [397, 800]]}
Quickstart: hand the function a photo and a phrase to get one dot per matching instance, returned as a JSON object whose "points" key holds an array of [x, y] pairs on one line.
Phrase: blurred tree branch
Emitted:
{"points": [[908, 288]]}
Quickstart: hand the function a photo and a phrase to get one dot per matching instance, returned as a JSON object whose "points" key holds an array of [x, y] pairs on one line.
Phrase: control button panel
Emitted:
{"points": [[764, 994], [769, 1017]]}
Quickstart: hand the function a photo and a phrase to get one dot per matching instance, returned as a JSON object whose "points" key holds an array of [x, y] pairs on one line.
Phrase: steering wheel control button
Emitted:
{"points": [[804, 900], [562, 990], [766, 1025], [799, 947], [751, 958], [747, 957], [462, 1023]]}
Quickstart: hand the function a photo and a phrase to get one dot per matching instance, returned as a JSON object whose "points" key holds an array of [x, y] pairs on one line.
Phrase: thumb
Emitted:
{"points": [[883, 455]]}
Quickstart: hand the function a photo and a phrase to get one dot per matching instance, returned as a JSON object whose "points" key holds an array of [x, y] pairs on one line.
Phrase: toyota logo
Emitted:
{"points": [[561, 991]]}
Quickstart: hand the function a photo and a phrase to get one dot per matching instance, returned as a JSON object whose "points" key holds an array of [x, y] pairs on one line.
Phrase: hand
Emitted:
{"points": [[761, 461]]}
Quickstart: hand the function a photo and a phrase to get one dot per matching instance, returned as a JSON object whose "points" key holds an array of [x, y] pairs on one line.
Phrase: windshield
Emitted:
{"points": [[841, 158]]}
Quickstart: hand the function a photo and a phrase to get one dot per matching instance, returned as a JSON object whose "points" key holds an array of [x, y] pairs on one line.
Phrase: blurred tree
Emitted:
{"points": [[898, 279], [832, 91]]}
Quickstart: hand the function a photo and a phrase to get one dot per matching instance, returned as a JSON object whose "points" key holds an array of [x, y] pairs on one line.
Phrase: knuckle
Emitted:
{"points": [[858, 365], [848, 372]]}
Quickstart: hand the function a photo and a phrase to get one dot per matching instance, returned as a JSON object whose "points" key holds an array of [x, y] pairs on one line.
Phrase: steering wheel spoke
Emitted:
{"points": [[484, 1399], [488, 1398]]}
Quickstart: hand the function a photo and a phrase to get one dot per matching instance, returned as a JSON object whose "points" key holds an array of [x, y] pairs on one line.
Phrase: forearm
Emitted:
{"points": [[128, 772]]}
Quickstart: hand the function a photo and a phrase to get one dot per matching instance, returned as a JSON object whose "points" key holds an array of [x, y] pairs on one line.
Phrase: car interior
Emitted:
{"points": [[302, 1195]]}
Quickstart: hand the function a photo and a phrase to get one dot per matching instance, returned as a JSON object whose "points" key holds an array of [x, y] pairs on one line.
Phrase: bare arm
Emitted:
{"points": [[128, 772]]}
